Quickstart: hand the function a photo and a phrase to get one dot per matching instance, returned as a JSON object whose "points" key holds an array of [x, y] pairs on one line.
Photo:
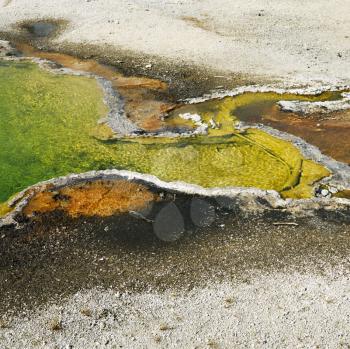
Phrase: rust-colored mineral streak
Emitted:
{"points": [[98, 198]]}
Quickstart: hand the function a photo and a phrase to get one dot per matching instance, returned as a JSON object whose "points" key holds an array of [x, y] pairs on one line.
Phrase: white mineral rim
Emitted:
{"points": [[312, 88], [305, 108]]}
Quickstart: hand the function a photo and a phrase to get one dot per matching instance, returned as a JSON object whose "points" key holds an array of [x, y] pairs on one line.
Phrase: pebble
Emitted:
{"points": [[333, 190], [324, 192]]}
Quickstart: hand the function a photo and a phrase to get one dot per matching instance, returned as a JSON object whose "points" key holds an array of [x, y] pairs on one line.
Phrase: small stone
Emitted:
{"points": [[157, 338], [229, 301], [213, 124], [55, 324], [212, 344], [4, 324], [188, 116], [164, 327], [86, 312], [324, 192], [333, 190]]}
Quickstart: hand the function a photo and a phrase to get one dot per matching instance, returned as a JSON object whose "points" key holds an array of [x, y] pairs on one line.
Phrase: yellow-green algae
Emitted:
{"points": [[45, 120], [4, 209], [48, 128]]}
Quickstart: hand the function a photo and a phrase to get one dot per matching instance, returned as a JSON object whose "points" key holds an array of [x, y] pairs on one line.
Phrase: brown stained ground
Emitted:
{"points": [[344, 194], [329, 132], [98, 198], [6, 3], [145, 99], [203, 23]]}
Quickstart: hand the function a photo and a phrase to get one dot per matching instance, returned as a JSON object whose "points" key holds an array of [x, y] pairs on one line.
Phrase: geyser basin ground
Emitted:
{"points": [[53, 258], [49, 128]]}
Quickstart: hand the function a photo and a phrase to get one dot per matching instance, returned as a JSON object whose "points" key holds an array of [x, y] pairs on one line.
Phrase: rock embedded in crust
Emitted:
{"points": [[6, 49]]}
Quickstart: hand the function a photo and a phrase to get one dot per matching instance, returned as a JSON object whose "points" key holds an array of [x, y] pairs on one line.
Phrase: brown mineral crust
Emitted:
{"points": [[329, 132], [97, 198], [147, 113], [140, 82]]}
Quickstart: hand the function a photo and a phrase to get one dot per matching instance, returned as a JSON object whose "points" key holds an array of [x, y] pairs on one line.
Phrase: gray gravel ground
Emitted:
{"points": [[277, 310], [235, 284]]}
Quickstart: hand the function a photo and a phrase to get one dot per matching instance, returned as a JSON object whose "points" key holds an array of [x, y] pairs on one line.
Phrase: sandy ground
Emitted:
{"points": [[294, 306], [273, 311], [234, 284], [290, 39]]}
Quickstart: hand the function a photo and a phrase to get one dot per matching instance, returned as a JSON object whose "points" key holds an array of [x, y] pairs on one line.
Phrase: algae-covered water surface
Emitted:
{"points": [[48, 128]]}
